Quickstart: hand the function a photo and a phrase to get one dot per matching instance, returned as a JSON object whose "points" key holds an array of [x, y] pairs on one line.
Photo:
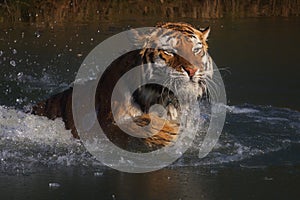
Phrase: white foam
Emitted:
{"points": [[239, 110], [27, 140], [20, 126]]}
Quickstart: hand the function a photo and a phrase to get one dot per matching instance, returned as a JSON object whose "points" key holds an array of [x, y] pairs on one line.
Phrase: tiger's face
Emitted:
{"points": [[179, 53]]}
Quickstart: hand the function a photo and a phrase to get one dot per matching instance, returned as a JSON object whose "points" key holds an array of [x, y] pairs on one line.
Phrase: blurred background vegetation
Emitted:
{"points": [[48, 12]]}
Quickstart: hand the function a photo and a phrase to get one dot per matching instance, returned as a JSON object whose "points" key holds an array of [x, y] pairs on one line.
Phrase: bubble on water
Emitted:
{"points": [[14, 51], [13, 63], [22, 34], [1, 52]]}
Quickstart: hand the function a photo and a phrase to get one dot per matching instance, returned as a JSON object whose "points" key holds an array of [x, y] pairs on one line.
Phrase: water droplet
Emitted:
{"points": [[268, 178], [91, 73], [98, 173], [54, 185], [37, 34], [19, 100], [19, 75], [92, 39], [1, 53], [13, 63], [14, 51], [98, 68], [70, 49]]}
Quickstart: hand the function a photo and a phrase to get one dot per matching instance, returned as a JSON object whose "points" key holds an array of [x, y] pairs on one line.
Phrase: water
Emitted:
{"points": [[259, 144], [257, 155], [253, 136]]}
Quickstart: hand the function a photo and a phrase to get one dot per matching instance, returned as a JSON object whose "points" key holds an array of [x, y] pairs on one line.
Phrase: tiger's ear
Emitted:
{"points": [[205, 32]]}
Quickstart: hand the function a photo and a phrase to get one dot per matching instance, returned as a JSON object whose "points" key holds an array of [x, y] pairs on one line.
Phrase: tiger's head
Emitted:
{"points": [[179, 52], [175, 54]]}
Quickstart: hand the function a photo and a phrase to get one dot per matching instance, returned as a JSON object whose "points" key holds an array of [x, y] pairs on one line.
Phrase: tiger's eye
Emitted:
{"points": [[197, 50], [169, 53]]}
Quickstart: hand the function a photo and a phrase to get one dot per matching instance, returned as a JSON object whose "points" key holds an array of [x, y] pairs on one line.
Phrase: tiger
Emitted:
{"points": [[176, 50]]}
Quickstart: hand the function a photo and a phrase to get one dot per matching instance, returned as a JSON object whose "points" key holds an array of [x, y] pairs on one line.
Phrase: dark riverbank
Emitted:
{"points": [[48, 12]]}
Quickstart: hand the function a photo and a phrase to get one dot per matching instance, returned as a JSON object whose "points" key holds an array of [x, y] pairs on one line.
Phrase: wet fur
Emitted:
{"points": [[137, 107]]}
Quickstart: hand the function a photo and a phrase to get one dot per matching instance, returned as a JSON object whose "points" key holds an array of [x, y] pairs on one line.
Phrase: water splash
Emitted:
{"points": [[28, 142]]}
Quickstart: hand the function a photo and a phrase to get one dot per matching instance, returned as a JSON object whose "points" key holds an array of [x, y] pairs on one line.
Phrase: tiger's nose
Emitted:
{"points": [[190, 71]]}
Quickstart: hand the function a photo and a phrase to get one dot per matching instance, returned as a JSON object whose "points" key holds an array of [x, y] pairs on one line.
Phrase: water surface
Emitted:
{"points": [[257, 155]]}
